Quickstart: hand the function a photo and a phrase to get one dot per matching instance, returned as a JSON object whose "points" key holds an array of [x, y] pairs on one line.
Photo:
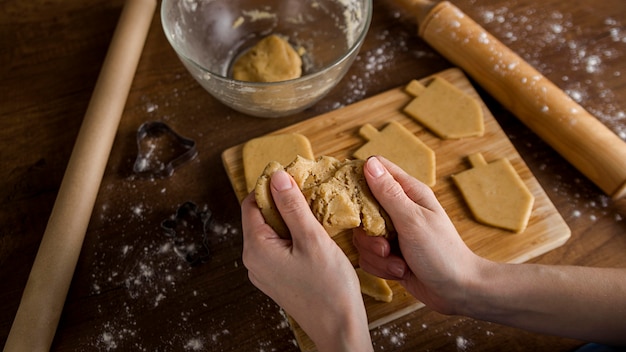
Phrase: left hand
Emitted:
{"points": [[308, 275]]}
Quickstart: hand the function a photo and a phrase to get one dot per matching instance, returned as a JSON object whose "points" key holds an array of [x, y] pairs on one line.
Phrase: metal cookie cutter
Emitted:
{"points": [[161, 150], [188, 229]]}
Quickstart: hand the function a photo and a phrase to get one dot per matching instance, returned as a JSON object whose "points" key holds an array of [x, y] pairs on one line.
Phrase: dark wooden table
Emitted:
{"points": [[132, 292]]}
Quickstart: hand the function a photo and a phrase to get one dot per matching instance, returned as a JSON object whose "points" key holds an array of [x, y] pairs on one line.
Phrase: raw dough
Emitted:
{"points": [[445, 109], [374, 286], [495, 193], [336, 192], [270, 60], [414, 88], [283, 148], [265, 202], [402, 147]]}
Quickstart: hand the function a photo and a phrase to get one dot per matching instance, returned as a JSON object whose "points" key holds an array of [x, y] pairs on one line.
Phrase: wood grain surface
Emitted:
{"points": [[336, 134]]}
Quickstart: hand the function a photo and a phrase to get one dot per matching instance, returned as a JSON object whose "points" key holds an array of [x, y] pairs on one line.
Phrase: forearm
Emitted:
{"points": [[578, 302], [342, 333]]}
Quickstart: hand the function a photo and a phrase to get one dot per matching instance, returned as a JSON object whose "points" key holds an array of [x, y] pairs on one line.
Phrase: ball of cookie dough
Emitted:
{"points": [[272, 59], [336, 192]]}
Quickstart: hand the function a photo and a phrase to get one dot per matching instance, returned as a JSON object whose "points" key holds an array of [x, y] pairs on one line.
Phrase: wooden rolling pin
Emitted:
{"points": [[578, 136], [42, 302]]}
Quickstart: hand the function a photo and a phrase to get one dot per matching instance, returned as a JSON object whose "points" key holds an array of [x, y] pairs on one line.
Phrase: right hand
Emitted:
{"points": [[434, 264]]}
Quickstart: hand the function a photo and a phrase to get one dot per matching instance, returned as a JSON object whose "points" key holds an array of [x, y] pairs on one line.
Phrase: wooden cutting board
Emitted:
{"points": [[336, 134]]}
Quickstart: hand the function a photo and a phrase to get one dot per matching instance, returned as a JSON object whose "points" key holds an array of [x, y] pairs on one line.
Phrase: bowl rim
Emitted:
{"points": [[355, 47]]}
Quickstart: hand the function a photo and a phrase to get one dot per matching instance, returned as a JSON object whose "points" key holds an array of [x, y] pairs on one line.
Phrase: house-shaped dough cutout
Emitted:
{"points": [[445, 110], [495, 193], [283, 148], [400, 146]]}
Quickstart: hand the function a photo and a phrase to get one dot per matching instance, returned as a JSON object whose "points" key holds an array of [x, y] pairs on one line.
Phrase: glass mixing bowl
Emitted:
{"points": [[209, 35]]}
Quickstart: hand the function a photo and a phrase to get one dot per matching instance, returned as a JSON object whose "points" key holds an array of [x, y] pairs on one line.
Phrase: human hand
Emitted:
{"points": [[308, 275], [434, 265]]}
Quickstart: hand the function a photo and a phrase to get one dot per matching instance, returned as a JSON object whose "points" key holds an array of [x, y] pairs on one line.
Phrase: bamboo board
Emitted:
{"points": [[336, 134]]}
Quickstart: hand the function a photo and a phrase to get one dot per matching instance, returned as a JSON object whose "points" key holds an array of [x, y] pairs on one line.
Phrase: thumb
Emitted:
{"points": [[389, 193], [389, 183], [295, 210], [408, 201]]}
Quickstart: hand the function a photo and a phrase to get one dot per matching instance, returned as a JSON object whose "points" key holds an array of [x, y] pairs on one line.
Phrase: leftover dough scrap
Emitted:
{"points": [[402, 147], [445, 109], [495, 193], [283, 148], [272, 59], [374, 286], [336, 192]]}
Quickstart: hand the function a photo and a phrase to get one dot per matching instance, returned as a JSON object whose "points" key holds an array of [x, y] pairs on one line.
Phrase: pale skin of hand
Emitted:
{"points": [[438, 268], [308, 276]]}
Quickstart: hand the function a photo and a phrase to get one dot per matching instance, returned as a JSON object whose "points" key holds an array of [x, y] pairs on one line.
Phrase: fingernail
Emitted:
{"points": [[375, 167], [397, 269], [281, 181], [382, 250]]}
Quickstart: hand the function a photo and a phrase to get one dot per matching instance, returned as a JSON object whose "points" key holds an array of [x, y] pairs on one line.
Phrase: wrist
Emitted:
{"points": [[477, 289], [499, 292], [345, 332]]}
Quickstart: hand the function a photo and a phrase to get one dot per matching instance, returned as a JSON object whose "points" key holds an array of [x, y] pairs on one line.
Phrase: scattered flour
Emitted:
{"points": [[147, 271], [112, 337], [375, 63], [151, 107], [138, 210], [393, 333], [108, 340], [462, 344], [194, 344]]}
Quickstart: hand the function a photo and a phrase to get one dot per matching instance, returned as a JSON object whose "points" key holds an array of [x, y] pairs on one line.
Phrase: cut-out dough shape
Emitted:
{"points": [[283, 148], [495, 193], [400, 146], [374, 286], [445, 109]]}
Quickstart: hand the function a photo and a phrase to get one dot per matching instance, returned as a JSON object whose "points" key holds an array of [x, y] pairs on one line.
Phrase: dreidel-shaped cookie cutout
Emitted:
{"points": [[400, 146], [495, 193], [445, 110]]}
